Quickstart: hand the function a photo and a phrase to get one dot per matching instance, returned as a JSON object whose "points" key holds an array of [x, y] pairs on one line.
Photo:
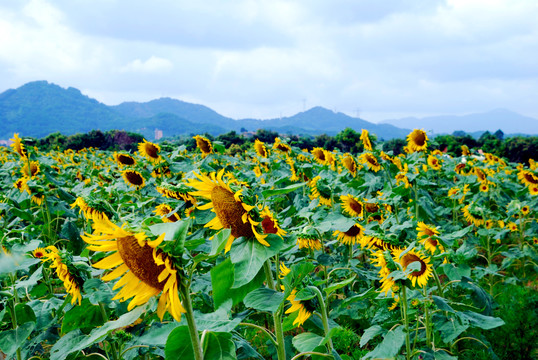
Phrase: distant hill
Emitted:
{"points": [[40, 108], [505, 120]]}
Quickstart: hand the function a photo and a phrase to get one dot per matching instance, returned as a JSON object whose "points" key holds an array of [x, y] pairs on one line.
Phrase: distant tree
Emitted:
{"points": [[521, 149], [243, 130], [302, 142], [459, 133], [349, 141], [499, 134], [267, 136], [395, 145], [325, 141], [231, 138]]}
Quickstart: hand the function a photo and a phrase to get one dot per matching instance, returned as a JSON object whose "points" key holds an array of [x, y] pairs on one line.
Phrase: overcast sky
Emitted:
{"points": [[269, 58]]}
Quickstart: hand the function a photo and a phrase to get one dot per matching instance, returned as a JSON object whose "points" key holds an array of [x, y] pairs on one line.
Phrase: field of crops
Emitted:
{"points": [[275, 253]]}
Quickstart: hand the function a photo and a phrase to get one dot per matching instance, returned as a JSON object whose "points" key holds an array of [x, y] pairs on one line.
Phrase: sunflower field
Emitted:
{"points": [[274, 253]]}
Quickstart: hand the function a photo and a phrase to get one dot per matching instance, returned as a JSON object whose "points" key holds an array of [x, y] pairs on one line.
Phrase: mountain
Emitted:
{"points": [[39, 108], [507, 121]]}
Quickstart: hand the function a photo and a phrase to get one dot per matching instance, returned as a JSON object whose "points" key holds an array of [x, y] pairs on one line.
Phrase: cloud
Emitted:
{"points": [[152, 65]]}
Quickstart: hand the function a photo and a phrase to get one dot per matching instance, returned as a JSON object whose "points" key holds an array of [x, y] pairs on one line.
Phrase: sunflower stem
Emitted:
{"points": [[277, 315], [406, 324], [324, 316], [189, 314]]}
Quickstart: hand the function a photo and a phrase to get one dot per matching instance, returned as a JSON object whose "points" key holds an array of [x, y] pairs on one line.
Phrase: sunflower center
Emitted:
{"points": [[152, 151], [531, 179], [371, 208], [353, 231], [204, 146], [126, 160], [134, 178], [269, 226], [419, 138], [411, 258], [432, 242], [140, 261], [355, 206], [230, 212]]}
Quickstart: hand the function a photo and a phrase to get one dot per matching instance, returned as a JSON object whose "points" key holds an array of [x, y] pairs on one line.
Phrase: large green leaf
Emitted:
{"points": [[84, 317], [179, 345], [11, 340], [333, 287], [222, 280], [264, 299], [483, 321], [217, 321], [282, 191], [219, 241], [219, 346], [307, 341], [390, 346], [158, 333], [248, 256], [370, 333], [76, 341], [450, 327]]}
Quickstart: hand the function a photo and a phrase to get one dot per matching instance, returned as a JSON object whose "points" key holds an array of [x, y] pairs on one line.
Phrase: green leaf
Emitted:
{"points": [[336, 221], [84, 317], [332, 288], [264, 299], [11, 340], [76, 341], [219, 241], [248, 256], [282, 191], [390, 346], [442, 304], [370, 333], [157, 334], [456, 273], [22, 214], [219, 346], [443, 355], [306, 341], [482, 321], [450, 328], [305, 294], [175, 231], [218, 321], [222, 280], [179, 345], [448, 239], [24, 314], [32, 280]]}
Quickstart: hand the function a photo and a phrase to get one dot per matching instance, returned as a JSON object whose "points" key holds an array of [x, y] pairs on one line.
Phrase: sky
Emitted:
{"points": [[270, 58]]}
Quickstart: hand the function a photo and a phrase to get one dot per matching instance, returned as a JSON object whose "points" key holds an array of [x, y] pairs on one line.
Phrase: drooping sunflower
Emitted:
{"points": [[280, 146], [465, 150], [427, 235], [379, 259], [319, 155], [417, 277], [352, 206], [18, 146], [231, 212], [365, 138], [165, 211], [417, 141], [270, 224], [177, 192], [304, 311], [72, 283], [94, 210], [259, 147], [291, 163], [434, 162], [149, 150], [374, 243], [204, 144], [472, 218], [370, 160], [308, 241], [133, 178], [145, 270], [319, 190], [349, 163], [124, 159], [34, 169], [351, 236], [527, 178]]}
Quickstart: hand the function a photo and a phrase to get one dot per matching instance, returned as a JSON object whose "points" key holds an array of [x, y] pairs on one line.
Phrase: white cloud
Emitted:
{"points": [[152, 65]]}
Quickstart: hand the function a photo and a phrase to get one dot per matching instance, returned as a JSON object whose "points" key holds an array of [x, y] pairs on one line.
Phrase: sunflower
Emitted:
{"points": [[291, 163], [307, 241], [18, 146], [204, 145], [371, 161], [512, 226], [528, 178], [176, 192], [352, 206], [95, 211], [402, 178], [149, 150], [72, 284], [484, 186], [269, 223], [319, 155], [465, 150], [475, 219], [133, 178], [259, 147], [426, 235], [124, 159], [372, 242], [417, 141], [232, 213], [379, 259], [161, 171], [304, 311], [525, 210], [365, 138], [34, 169], [21, 184], [434, 162], [480, 174], [280, 146], [145, 270], [319, 190], [166, 211], [39, 253], [351, 236], [349, 163], [417, 277]]}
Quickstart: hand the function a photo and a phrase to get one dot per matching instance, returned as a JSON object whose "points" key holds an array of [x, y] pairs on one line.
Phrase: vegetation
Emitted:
{"points": [[224, 248]]}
